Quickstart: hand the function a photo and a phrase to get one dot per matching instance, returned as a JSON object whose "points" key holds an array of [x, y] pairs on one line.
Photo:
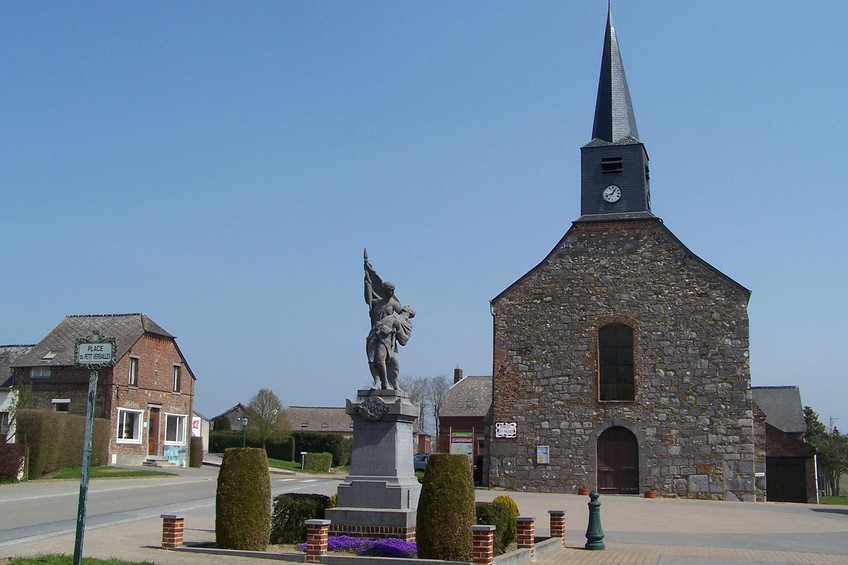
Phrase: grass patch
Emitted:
{"points": [[103, 472], [61, 559], [839, 500], [295, 466]]}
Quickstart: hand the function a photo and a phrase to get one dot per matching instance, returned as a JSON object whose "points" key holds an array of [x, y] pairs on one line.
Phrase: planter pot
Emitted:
{"points": [[650, 494], [584, 491]]}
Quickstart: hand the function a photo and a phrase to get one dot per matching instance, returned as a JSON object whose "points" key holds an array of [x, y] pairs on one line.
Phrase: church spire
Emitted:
{"points": [[614, 177], [615, 121]]}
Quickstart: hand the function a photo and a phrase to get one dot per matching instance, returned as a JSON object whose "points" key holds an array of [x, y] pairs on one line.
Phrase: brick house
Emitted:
{"points": [[148, 394], [464, 419], [621, 361]]}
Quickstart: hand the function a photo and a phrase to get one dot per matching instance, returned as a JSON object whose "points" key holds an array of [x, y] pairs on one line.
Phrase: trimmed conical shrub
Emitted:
{"points": [[243, 500], [446, 509]]}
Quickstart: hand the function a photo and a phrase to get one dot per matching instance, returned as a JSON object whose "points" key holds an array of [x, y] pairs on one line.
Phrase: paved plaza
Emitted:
{"points": [[638, 531]]}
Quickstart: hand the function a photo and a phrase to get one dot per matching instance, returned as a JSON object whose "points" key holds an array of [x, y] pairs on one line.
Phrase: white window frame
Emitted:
{"points": [[132, 377], [180, 421], [177, 376], [5, 423], [123, 413], [39, 373], [64, 401]]}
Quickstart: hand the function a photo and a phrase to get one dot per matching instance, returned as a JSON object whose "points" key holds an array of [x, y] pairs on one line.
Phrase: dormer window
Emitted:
{"points": [[611, 165]]}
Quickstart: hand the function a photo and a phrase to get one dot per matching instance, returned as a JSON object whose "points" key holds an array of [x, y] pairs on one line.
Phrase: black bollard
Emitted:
{"points": [[594, 532]]}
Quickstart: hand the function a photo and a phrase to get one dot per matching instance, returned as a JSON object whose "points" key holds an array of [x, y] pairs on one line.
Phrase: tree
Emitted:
{"points": [[832, 450], [266, 417], [436, 393], [416, 388]]}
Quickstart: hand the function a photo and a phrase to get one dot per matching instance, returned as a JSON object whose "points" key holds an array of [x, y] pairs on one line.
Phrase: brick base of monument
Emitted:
{"points": [[406, 533], [373, 523]]}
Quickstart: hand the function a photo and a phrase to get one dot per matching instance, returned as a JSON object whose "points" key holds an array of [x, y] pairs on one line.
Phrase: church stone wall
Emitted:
{"points": [[692, 414]]}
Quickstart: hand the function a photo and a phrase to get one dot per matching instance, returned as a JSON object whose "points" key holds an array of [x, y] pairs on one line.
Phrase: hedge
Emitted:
{"points": [[446, 509], [55, 440], [290, 511], [242, 500]]}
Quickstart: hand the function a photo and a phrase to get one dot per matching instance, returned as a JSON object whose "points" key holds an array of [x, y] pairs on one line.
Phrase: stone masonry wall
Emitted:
{"points": [[692, 415]]}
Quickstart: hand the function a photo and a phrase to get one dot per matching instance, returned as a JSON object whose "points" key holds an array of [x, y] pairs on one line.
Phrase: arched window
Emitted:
{"points": [[615, 356]]}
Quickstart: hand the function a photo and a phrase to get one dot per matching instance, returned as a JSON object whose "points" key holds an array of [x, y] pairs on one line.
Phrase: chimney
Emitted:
{"points": [[457, 375]]}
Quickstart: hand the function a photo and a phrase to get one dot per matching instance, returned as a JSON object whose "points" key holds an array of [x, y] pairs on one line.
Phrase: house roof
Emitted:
{"points": [[470, 397], [8, 355], [782, 407], [57, 347], [319, 419]]}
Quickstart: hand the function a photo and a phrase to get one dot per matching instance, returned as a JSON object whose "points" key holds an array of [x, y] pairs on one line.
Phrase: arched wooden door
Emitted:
{"points": [[618, 461]]}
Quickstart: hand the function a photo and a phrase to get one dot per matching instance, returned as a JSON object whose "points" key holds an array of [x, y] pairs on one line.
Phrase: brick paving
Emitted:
{"points": [[637, 531]]}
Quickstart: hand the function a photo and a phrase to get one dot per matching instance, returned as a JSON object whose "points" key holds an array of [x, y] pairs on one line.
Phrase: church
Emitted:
{"points": [[621, 361]]}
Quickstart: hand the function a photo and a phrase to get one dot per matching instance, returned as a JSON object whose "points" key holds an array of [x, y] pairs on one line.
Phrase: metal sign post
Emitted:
{"points": [[92, 353]]}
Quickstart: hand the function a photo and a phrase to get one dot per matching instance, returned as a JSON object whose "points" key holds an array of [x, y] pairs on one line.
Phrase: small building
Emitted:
{"points": [[148, 395], [320, 420], [790, 461], [8, 397], [235, 416], [464, 419]]}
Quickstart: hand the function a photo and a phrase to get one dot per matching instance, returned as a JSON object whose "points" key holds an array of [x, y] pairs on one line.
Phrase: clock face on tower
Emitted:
{"points": [[612, 193]]}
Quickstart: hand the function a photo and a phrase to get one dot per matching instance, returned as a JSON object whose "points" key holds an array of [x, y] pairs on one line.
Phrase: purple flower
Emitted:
{"points": [[389, 547]]}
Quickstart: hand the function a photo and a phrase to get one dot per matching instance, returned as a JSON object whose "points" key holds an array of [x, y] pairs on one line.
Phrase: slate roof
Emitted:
{"points": [[782, 407], [615, 121], [8, 355], [470, 397], [318, 419], [57, 347]]}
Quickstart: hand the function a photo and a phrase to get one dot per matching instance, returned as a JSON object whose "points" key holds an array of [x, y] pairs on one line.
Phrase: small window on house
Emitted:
{"points": [[611, 165], [4, 424], [133, 377], [129, 426], [304, 424], [61, 404], [176, 378], [175, 428], [50, 355], [325, 426], [615, 360], [39, 372]]}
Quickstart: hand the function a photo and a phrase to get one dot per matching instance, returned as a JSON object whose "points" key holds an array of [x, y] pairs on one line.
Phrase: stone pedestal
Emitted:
{"points": [[379, 497]]}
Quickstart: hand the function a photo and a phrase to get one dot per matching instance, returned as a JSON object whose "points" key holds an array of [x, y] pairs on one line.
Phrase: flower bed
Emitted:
{"points": [[389, 547]]}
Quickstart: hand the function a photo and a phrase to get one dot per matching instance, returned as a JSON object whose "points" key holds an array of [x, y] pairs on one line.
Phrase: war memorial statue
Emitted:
{"points": [[390, 327], [380, 495]]}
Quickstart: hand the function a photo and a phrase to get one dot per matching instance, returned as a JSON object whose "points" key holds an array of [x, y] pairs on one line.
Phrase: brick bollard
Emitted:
{"points": [[527, 534], [172, 531], [558, 524], [317, 539], [483, 545]]}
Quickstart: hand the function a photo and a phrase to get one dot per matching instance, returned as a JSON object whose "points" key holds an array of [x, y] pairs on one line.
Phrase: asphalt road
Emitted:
{"points": [[40, 509]]}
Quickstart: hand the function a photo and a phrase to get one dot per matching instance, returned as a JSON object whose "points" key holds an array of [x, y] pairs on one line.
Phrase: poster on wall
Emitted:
{"points": [[195, 426]]}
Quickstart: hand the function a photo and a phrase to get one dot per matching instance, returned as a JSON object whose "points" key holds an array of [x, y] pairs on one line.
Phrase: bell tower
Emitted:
{"points": [[615, 182]]}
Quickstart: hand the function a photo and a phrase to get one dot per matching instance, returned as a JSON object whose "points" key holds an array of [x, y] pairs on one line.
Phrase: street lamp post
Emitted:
{"points": [[243, 422]]}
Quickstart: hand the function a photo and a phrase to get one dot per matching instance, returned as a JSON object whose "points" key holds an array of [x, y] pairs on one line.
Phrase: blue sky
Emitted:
{"points": [[220, 166]]}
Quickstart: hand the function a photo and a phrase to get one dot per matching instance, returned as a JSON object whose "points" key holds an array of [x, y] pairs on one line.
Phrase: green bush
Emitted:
{"points": [[221, 424], [55, 440], [243, 500], [219, 442], [511, 533], [291, 510], [446, 509], [195, 452], [495, 514], [312, 442], [320, 462]]}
